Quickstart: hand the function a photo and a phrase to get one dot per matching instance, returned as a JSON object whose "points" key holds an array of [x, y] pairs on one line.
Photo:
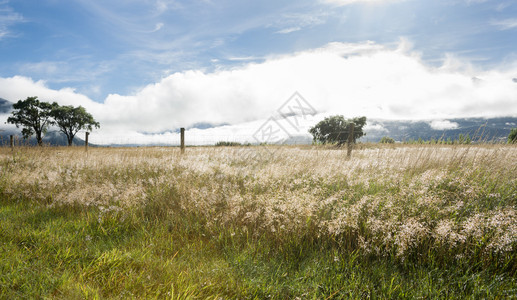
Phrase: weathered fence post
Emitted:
{"points": [[86, 141], [11, 143], [182, 139], [350, 142]]}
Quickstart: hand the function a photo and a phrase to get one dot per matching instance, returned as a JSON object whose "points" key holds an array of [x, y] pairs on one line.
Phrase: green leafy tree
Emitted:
{"points": [[335, 129], [33, 115], [387, 140], [71, 119], [512, 137]]}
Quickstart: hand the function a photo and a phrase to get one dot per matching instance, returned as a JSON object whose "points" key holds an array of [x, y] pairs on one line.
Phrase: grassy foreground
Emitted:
{"points": [[254, 223]]}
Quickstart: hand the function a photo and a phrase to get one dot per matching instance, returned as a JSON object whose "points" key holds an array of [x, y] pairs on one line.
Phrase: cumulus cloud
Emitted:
{"points": [[350, 79]]}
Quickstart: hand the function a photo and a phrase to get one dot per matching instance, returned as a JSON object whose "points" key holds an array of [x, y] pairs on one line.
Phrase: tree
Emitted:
{"points": [[71, 119], [387, 140], [335, 129], [33, 116], [512, 137]]}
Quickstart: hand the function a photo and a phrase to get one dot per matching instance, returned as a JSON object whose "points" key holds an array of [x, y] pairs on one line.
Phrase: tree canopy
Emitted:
{"points": [[335, 129], [387, 140], [36, 116], [33, 115], [71, 119]]}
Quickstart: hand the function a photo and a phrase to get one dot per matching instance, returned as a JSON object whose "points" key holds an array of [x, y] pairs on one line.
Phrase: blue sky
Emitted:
{"points": [[116, 52], [102, 47]]}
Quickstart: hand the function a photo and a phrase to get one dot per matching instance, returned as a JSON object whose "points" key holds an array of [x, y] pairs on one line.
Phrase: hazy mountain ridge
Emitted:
{"points": [[53, 138], [491, 129], [5, 106], [479, 129]]}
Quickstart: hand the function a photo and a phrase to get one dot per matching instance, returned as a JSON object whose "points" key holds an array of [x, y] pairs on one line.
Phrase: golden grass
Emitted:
{"points": [[386, 200]]}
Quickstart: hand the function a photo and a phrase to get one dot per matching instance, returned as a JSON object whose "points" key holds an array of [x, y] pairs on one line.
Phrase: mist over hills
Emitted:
{"points": [[479, 129], [5, 106], [491, 129], [52, 138]]}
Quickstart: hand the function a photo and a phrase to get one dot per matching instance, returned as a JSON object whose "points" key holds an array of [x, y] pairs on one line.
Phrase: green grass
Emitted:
{"points": [[61, 253], [168, 246]]}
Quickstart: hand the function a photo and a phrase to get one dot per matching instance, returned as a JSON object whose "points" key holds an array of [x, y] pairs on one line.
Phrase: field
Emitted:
{"points": [[394, 221]]}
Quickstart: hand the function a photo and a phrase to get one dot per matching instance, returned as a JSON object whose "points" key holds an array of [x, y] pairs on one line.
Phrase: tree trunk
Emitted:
{"points": [[39, 139], [70, 141]]}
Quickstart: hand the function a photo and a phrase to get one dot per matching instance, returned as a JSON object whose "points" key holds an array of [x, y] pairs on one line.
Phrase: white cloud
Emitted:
{"points": [[443, 125], [162, 6], [44, 67], [505, 24], [19, 88], [244, 58], [72, 70], [8, 17], [158, 26], [289, 30], [375, 127], [502, 6], [291, 22], [350, 79]]}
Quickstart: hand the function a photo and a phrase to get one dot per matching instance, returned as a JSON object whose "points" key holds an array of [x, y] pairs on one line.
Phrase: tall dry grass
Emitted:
{"points": [[430, 203]]}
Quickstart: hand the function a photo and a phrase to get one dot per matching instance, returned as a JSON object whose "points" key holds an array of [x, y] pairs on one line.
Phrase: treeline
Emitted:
{"points": [[230, 144], [460, 140], [35, 116]]}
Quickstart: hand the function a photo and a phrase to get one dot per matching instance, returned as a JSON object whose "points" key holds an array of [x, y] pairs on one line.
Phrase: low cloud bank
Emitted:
{"points": [[350, 79], [443, 125]]}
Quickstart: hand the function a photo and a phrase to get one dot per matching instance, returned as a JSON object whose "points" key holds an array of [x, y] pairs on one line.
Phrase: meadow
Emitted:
{"points": [[391, 222]]}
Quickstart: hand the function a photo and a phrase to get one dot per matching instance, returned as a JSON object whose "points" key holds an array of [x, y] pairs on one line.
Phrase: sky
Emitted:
{"points": [[145, 68]]}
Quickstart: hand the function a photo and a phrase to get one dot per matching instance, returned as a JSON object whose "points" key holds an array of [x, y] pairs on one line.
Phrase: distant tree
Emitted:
{"points": [[387, 140], [227, 144], [335, 129], [464, 139], [468, 140], [512, 137], [71, 119], [33, 116]]}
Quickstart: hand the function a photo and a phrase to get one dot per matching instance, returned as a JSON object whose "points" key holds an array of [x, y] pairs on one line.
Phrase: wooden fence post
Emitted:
{"points": [[350, 142], [86, 141], [11, 143], [182, 131]]}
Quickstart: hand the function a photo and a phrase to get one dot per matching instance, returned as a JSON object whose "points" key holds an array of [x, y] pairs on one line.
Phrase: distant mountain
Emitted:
{"points": [[5, 106], [479, 129], [493, 129]]}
